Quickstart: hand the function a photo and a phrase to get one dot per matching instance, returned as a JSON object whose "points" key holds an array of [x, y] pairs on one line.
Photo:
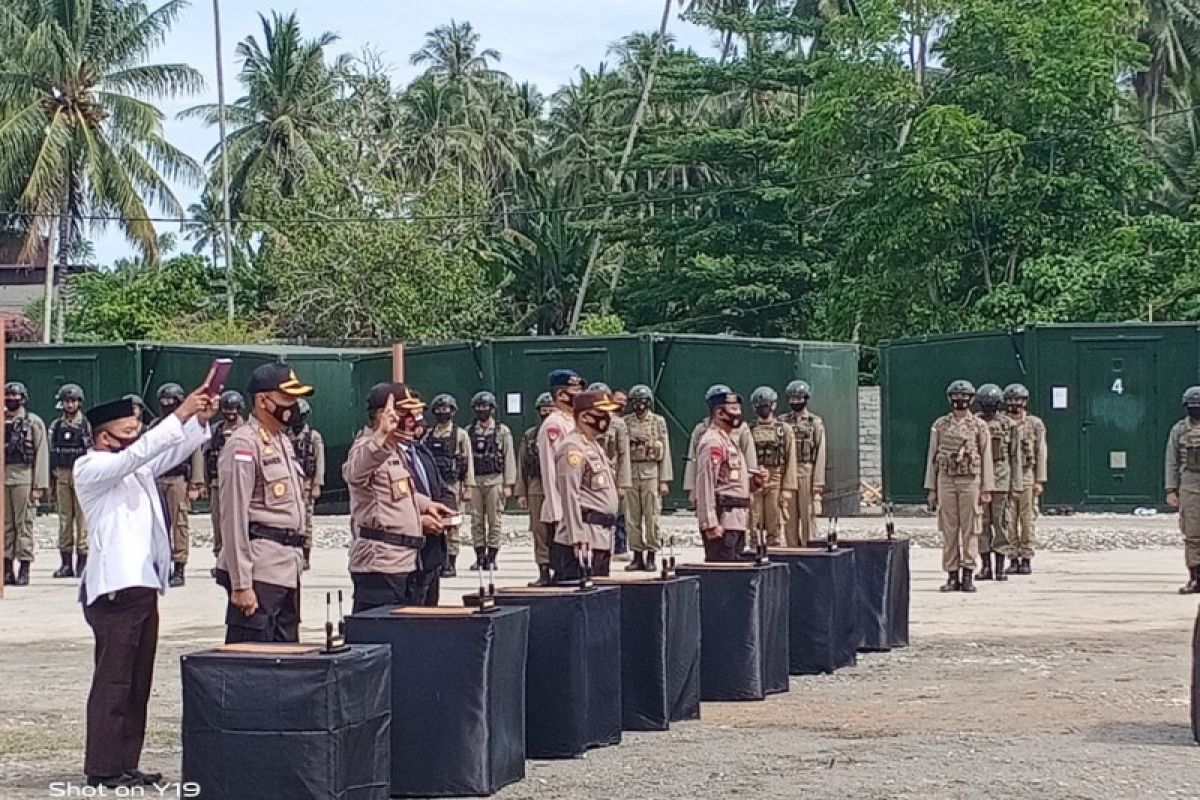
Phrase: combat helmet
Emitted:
{"points": [[960, 387], [484, 398], [798, 388], [232, 400], [171, 391], [989, 397], [1016, 391], [763, 396]]}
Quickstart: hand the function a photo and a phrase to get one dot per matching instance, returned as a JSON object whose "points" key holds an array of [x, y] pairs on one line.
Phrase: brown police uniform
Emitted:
{"points": [[775, 447], [809, 431], [722, 494], [650, 466], [741, 437], [260, 489], [1006, 468], [958, 467], [586, 483], [1031, 432], [554, 431], [1183, 476], [530, 486]]}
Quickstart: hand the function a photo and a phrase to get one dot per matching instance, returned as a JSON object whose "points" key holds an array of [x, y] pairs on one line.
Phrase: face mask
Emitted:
{"points": [[12, 405], [798, 404], [1015, 408], [125, 443], [600, 423], [959, 404], [1193, 412], [284, 414], [298, 423], [230, 416], [168, 407], [483, 414], [443, 416], [731, 419], [762, 411], [640, 406], [543, 412]]}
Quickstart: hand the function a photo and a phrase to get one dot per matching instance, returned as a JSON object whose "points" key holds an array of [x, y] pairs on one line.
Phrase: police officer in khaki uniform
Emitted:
{"points": [[389, 517], [1183, 483], [722, 481], [775, 446], [651, 476], [959, 477], [310, 453], [70, 437], [531, 494], [26, 479], [495, 472], [558, 424], [1006, 467], [451, 449], [1034, 457], [204, 467], [809, 430], [177, 486], [586, 483], [616, 446], [741, 437], [261, 492]]}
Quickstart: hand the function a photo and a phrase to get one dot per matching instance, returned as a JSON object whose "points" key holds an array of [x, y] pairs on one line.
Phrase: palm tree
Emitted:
{"points": [[291, 101], [79, 136], [204, 228], [1171, 31], [451, 52]]}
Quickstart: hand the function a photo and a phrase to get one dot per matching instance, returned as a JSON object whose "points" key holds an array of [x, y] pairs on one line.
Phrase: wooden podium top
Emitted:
{"points": [[434, 611], [270, 648]]}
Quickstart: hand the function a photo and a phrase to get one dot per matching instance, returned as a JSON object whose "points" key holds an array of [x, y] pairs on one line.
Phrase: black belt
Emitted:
{"points": [[725, 503], [277, 535], [394, 539], [599, 518]]}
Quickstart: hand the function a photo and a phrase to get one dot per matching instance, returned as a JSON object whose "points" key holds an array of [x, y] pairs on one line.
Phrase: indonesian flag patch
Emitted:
{"points": [[552, 434], [244, 455], [716, 455]]}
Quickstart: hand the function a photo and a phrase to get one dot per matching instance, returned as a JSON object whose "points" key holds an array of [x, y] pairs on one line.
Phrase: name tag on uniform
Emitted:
{"points": [[269, 461], [735, 475], [279, 489]]}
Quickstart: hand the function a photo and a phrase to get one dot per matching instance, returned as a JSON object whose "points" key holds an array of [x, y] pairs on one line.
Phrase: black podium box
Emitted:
{"points": [[823, 613], [573, 671], [660, 651], [279, 724], [1196, 681], [883, 591], [458, 696], [743, 629]]}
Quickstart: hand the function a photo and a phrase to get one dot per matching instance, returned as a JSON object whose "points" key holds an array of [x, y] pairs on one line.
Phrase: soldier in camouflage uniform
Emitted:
{"points": [[1006, 465], [530, 491], [450, 447], [1183, 483], [651, 473], [310, 455], [177, 486], [775, 446], [70, 437], [809, 430], [232, 405], [1034, 455], [26, 479]]}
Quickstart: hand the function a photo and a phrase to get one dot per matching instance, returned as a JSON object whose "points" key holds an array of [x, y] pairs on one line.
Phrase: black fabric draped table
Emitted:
{"points": [[573, 670], [883, 591], [823, 612], [660, 650], [743, 629], [1196, 681], [263, 720], [457, 696]]}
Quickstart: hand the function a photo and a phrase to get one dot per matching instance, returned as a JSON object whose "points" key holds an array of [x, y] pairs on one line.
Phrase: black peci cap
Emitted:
{"points": [[112, 410]]}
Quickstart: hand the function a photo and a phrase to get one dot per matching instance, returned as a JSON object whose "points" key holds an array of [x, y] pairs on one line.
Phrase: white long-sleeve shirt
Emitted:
{"points": [[128, 541]]}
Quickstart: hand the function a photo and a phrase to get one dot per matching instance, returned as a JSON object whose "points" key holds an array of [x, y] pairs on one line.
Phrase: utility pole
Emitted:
{"points": [[226, 222]]}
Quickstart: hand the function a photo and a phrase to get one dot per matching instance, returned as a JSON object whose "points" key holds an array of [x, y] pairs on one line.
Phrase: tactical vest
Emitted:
{"points": [[804, 428], [181, 470], [18, 440], [69, 441], [444, 449], [531, 465], [305, 446], [1001, 432], [485, 448], [958, 448], [219, 437], [770, 442], [645, 446], [1029, 441], [1189, 443]]}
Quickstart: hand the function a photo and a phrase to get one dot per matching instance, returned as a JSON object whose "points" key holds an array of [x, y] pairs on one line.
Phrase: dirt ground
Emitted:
{"points": [[1070, 683]]}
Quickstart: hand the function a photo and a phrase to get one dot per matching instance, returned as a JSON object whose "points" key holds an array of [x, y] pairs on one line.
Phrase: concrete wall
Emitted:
{"points": [[870, 451]]}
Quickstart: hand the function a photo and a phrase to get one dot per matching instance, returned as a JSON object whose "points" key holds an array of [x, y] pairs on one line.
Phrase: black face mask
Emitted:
{"points": [[168, 407], [483, 414], [125, 443], [443, 416], [12, 405], [231, 416], [640, 406], [284, 414], [798, 405], [762, 411], [543, 413], [959, 404], [1193, 412], [298, 423], [600, 423]]}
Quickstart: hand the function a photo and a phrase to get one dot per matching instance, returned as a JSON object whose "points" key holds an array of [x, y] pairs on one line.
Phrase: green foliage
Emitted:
{"points": [[601, 325]]}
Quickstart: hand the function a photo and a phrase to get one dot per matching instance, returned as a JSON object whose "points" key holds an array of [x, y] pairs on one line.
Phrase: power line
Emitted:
{"points": [[879, 166]]}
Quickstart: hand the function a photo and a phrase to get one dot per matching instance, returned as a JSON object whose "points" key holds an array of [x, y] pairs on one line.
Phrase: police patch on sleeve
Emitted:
{"points": [[552, 434], [716, 455], [574, 458]]}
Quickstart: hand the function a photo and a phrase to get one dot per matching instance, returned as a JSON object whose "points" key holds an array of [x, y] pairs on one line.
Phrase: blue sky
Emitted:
{"points": [[542, 41]]}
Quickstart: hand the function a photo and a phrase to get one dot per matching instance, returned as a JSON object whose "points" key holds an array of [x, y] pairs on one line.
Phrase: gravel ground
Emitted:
{"points": [[1070, 683]]}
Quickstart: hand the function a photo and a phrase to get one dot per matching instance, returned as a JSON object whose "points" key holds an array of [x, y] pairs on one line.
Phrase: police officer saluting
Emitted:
{"points": [[586, 486], [530, 491], [177, 487], [310, 452], [26, 478], [776, 450], [494, 476], [260, 489], [451, 450], [70, 438], [722, 481], [1183, 483], [232, 404]]}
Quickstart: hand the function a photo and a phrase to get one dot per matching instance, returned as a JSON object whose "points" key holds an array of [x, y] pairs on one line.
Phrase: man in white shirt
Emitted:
{"points": [[129, 566]]}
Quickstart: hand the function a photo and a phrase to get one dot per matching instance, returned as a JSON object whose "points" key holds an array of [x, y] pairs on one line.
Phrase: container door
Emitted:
{"points": [[1121, 453]]}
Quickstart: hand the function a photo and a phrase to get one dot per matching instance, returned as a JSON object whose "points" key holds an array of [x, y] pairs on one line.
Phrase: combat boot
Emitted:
{"points": [[480, 559], [636, 565], [951, 584], [968, 584], [543, 578], [1014, 566], [65, 571], [1193, 584], [177, 579], [307, 559], [490, 558], [80, 563], [448, 569], [650, 562], [985, 571], [1000, 576], [22, 575], [9, 578], [1026, 567]]}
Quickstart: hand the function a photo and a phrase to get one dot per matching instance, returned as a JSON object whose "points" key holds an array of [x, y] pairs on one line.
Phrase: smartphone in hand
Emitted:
{"points": [[220, 374]]}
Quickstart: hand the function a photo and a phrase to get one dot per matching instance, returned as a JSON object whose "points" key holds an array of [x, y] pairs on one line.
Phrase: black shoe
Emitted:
{"points": [[650, 562], [9, 577], [1026, 567], [985, 572], [1000, 576], [146, 778], [66, 570], [22, 575], [1193, 584], [448, 571], [125, 781], [177, 579], [80, 563], [480, 559], [490, 558], [951, 584], [968, 585], [543, 576], [1014, 567], [307, 562], [635, 564]]}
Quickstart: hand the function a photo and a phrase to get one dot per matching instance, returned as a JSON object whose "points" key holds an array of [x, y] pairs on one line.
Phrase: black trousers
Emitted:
{"points": [[565, 566], [276, 620], [375, 589], [126, 629], [727, 548], [425, 587]]}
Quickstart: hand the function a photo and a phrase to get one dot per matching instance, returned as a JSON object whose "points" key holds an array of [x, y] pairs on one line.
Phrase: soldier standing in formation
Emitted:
{"points": [[310, 453], [616, 446], [722, 481], [232, 404], [261, 495], [586, 490], [1006, 467], [650, 478], [1183, 483], [495, 472], [809, 430], [26, 479], [1031, 433], [775, 447], [451, 449], [70, 437], [530, 492], [177, 486], [565, 384], [139, 406], [959, 477], [740, 435]]}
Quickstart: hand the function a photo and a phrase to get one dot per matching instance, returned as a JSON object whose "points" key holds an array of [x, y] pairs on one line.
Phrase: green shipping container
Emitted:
{"points": [[1108, 394], [103, 372]]}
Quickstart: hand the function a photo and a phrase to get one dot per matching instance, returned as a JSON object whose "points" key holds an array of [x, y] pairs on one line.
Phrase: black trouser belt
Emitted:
{"points": [[598, 518], [725, 503], [277, 535], [394, 539]]}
